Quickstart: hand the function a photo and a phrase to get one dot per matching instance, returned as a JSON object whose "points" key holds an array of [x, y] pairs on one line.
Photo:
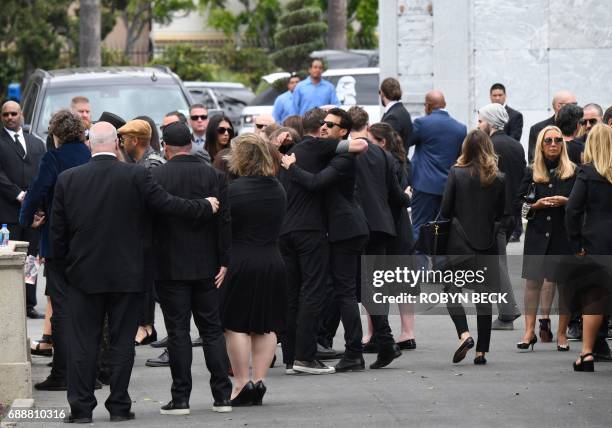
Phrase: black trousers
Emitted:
{"points": [[484, 318], [178, 300], [20, 233], [306, 256], [86, 318], [377, 246], [344, 265], [60, 319]]}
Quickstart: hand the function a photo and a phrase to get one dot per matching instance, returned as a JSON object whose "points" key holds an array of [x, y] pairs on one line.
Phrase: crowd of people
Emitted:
{"points": [[260, 237]]}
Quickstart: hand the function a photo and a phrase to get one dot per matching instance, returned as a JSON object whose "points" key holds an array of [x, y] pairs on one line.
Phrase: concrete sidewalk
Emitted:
{"points": [[421, 388]]}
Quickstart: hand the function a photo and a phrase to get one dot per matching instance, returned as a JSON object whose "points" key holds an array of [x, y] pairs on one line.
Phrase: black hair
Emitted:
{"points": [[345, 119], [607, 115], [178, 114], [497, 86], [568, 118], [312, 120], [212, 137], [154, 134]]}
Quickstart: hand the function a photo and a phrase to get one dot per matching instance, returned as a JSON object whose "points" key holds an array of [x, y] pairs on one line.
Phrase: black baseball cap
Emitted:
{"points": [[176, 134]]}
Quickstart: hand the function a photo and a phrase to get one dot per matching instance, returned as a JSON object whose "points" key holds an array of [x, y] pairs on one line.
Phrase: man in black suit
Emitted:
{"points": [[98, 228], [304, 246], [492, 119], [560, 99], [191, 260], [395, 113], [379, 193], [20, 155], [514, 126]]}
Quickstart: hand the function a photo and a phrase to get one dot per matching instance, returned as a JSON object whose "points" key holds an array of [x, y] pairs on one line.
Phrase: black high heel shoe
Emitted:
{"points": [[259, 392], [563, 348], [524, 345], [545, 332], [585, 366], [463, 349], [148, 339], [245, 398]]}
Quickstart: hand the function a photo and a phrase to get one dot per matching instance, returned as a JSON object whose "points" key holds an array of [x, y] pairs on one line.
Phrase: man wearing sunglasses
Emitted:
{"points": [[198, 120], [20, 154], [592, 114]]}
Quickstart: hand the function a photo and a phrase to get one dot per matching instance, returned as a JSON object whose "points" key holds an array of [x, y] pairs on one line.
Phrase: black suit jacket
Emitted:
{"points": [[399, 118], [184, 249], [378, 189], [511, 161], [16, 172], [533, 135], [99, 223], [345, 217], [514, 127]]}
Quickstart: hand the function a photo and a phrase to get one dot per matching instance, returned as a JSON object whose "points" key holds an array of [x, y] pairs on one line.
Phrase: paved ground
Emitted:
{"points": [[421, 388]]}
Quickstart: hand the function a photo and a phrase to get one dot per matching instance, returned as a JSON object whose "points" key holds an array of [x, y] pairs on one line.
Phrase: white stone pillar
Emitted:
{"points": [[15, 363]]}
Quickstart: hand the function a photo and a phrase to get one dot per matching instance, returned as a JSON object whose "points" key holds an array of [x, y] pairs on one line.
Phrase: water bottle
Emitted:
{"points": [[4, 236]]}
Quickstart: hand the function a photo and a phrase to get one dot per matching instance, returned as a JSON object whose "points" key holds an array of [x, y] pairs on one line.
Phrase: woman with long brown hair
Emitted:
{"points": [[474, 201], [542, 196]]}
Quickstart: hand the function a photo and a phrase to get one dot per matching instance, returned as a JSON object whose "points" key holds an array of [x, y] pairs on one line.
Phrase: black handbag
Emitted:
{"points": [[433, 237]]}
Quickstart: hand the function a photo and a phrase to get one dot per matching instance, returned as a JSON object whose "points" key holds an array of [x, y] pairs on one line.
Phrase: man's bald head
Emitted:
{"points": [[434, 100], [562, 98], [11, 115], [103, 138]]}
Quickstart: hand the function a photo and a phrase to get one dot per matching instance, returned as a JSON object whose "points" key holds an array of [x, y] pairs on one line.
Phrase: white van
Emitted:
{"points": [[354, 86]]}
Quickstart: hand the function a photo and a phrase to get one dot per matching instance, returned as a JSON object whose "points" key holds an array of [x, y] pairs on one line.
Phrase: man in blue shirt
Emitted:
{"points": [[283, 105], [314, 91]]}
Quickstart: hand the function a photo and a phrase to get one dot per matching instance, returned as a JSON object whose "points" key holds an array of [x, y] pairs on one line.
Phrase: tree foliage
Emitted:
{"points": [[300, 32]]}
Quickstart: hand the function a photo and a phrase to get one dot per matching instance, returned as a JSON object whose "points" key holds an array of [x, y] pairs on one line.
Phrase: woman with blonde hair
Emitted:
{"points": [[542, 196], [474, 201], [588, 220], [254, 294]]}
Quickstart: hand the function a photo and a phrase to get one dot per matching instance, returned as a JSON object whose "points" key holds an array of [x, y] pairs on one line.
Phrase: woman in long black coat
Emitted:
{"points": [[588, 219], [254, 291], [546, 185], [474, 201]]}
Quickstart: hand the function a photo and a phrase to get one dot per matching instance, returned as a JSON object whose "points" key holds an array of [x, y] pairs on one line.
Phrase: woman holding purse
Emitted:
{"points": [[474, 201], [546, 185]]}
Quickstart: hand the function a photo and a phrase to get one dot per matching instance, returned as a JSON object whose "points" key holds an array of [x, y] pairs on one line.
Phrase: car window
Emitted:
{"points": [[241, 94], [357, 89], [202, 96], [31, 93], [265, 98], [127, 101]]}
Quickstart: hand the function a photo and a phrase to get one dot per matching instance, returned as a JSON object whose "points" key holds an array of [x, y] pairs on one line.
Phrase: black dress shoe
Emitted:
{"points": [[197, 342], [260, 391], [121, 418], [460, 353], [41, 352], [324, 353], [75, 420], [51, 384], [407, 344], [162, 361], [350, 365], [223, 406], [245, 398], [161, 343], [34, 314], [385, 356], [175, 408], [480, 360], [370, 348]]}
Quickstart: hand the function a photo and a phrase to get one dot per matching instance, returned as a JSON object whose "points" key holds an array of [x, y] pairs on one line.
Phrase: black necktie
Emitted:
{"points": [[20, 149]]}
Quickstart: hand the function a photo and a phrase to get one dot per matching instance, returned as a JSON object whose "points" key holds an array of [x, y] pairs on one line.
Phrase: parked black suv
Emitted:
{"points": [[126, 91]]}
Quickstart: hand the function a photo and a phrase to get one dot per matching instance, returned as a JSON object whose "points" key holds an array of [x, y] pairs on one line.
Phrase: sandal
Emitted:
{"points": [[585, 366], [43, 352]]}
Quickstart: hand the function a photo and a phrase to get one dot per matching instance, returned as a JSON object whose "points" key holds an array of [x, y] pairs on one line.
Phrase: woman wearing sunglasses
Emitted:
{"points": [[542, 196], [219, 133]]}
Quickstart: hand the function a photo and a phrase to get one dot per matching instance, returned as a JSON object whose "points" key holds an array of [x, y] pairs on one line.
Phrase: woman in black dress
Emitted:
{"points": [[254, 295], [474, 200], [588, 219], [383, 135], [543, 194]]}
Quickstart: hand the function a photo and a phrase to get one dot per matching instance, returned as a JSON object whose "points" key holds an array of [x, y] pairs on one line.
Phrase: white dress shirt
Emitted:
{"points": [[20, 135]]}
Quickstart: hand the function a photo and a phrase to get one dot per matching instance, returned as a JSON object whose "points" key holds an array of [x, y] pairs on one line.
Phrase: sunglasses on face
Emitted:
{"points": [[330, 125], [199, 116], [260, 125], [592, 121], [556, 140], [10, 113], [222, 130]]}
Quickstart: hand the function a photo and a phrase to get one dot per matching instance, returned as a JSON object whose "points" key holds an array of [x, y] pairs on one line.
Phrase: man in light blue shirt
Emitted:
{"points": [[314, 91], [283, 105]]}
